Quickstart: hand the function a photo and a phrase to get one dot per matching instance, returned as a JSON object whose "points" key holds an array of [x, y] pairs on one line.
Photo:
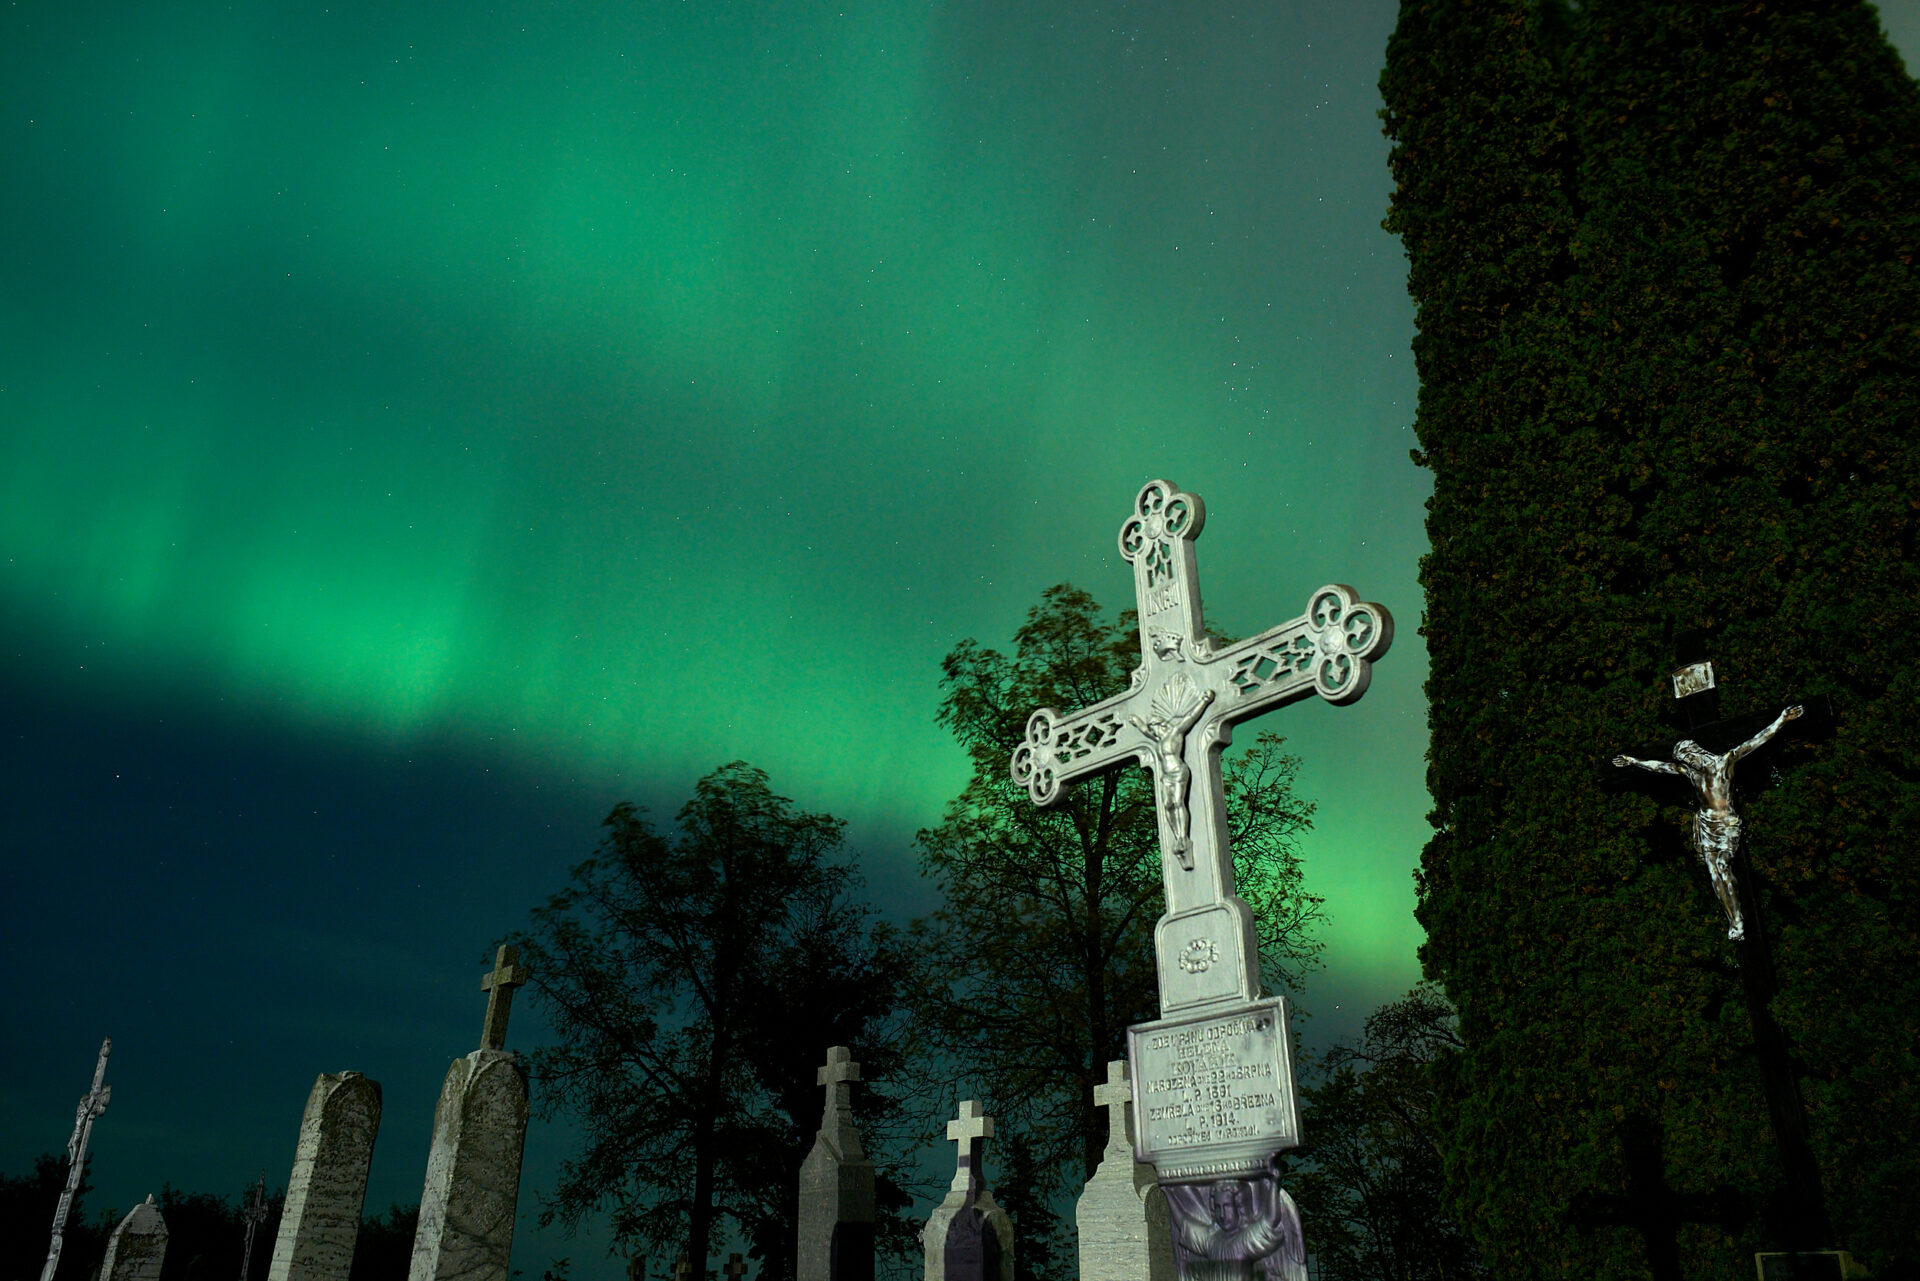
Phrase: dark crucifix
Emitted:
{"points": [[1706, 760]]}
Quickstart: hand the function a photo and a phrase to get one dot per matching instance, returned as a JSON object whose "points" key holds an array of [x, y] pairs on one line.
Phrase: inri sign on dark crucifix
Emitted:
{"points": [[1176, 717]]}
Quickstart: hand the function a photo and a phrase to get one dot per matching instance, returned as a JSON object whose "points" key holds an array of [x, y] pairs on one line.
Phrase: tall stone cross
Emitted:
{"points": [[507, 974], [1187, 695], [93, 1105]]}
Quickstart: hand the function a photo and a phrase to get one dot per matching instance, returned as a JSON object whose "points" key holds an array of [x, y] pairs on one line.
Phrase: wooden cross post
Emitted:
{"points": [[255, 1214], [507, 974], [1185, 699], [93, 1105]]}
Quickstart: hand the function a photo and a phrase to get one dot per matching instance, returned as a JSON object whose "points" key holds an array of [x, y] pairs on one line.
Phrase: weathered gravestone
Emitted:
{"points": [[1122, 1213], [93, 1105], [969, 1237], [836, 1186], [479, 1135], [1213, 1080], [321, 1220], [138, 1247]]}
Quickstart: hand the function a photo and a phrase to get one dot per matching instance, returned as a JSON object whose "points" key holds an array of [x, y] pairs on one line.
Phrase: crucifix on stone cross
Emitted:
{"points": [[507, 974], [1186, 696]]}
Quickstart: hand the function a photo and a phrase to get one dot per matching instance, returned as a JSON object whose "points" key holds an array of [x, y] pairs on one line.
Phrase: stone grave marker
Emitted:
{"points": [[1122, 1213], [479, 1134], [1214, 1096], [321, 1220], [836, 1221], [968, 1237], [137, 1247]]}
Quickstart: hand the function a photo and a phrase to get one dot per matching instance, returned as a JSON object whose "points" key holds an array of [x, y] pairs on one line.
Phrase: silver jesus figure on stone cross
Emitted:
{"points": [[1716, 828], [1214, 1076]]}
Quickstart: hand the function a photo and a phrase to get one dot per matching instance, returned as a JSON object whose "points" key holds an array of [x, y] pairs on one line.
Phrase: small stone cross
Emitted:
{"points": [[970, 1130], [1186, 696], [1115, 1096], [507, 974], [736, 1268]]}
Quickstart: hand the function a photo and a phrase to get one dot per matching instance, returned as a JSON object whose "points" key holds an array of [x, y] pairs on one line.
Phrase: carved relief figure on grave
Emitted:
{"points": [[1716, 828], [1174, 710], [1236, 1230]]}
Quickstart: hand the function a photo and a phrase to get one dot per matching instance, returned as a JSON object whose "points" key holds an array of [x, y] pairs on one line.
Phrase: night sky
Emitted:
{"points": [[426, 424]]}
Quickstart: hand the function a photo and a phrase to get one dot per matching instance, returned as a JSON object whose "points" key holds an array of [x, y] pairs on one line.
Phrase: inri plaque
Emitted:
{"points": [[1213, 1093]]}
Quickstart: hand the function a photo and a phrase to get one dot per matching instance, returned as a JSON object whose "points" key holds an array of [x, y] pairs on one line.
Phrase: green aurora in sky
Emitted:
{"points": [[610, 390], [653, 385]]}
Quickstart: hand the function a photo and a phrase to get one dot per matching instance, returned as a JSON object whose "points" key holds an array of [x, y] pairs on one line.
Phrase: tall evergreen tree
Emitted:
{"points": [[1669, 349]]}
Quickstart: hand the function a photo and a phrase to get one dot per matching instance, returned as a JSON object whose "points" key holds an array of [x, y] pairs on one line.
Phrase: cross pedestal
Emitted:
{"points": [[1213, 1078]]}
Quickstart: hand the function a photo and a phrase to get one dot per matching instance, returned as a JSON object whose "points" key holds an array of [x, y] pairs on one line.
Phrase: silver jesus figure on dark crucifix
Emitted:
{"points": [[1716, 828]]}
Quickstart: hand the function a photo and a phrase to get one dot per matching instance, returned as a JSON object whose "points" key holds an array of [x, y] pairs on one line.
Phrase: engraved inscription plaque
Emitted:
{"points": [[1214, 1092]]}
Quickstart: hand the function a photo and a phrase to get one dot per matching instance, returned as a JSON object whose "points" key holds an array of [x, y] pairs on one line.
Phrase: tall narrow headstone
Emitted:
{"points": [[473, 1167], [836, 1186], [1125, 1234], [137, 1247], [321, 1220], [969, 1237]]}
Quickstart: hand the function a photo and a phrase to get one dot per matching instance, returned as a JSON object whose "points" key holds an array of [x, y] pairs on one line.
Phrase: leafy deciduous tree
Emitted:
{"points": [[694, 983]]}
